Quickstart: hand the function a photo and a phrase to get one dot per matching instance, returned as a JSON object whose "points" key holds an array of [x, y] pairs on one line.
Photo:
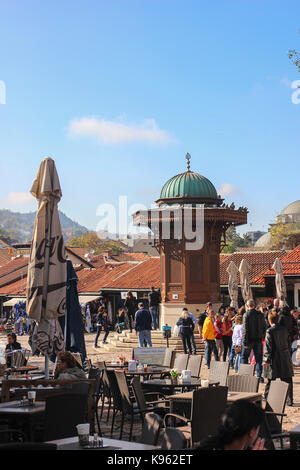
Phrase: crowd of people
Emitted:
{"points": [[266, 335]]}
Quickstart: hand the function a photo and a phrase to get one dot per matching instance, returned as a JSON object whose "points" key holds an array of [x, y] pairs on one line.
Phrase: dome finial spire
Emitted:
{"points": [[188, 157]]}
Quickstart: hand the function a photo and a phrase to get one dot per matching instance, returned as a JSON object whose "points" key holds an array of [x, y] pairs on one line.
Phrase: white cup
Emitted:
{"points": [[83, 431], [204, 383], [31, 397]]}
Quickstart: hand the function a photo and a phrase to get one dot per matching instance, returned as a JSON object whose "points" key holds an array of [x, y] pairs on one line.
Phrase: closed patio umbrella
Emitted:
{"points": [[280, 283], [233, 286], [72, 322], [245, 283], [47, 273]]}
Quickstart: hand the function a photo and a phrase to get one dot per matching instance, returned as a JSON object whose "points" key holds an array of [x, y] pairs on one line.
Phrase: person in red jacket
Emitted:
{"points": [[218, 326], [227, 335]]}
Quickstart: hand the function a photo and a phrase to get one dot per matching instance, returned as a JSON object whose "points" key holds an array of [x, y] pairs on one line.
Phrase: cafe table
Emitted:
{"points": [[71, 443], [167, 386], [28, 415], [186, 398], [21, 369]]}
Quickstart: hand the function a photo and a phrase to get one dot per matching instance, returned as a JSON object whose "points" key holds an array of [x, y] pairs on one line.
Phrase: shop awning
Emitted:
{"points": [[85, 299], [13, 301]]}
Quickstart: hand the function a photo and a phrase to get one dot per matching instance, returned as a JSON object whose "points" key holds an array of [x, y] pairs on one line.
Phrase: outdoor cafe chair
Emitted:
{"points": [[173, 439], [218, 372], [151, 428], [208, 405], [105, 393], [274, 409], [180, 362], [62, 414], [194, 365], [159, 406], [128, 406], [114, 397], [246, 369], [242, 383]]}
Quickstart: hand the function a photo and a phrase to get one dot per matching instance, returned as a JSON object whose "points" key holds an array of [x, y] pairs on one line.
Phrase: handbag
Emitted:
{"points": [[237, 349]]}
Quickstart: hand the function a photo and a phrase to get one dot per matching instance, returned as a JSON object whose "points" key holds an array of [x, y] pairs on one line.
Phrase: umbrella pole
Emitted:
{"points": [[46, 367]]}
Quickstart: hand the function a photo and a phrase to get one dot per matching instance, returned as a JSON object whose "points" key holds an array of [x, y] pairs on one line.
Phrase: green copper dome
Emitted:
{"points": [[189, 185]]}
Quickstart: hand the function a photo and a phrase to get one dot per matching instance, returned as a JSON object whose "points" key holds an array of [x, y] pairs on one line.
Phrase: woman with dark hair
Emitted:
{"points": [[68, 368], [227, 335], [240, 425]]}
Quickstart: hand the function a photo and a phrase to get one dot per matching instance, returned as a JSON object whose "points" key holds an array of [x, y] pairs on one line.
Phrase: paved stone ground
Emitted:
{"points": [[290, 421]]}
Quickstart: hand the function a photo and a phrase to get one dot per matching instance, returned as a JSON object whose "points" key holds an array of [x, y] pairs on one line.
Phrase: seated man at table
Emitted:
{"points": [[12, 345], [68, 368]]}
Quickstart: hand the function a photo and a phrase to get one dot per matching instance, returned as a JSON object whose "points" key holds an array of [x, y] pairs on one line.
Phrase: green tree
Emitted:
{"points": [[235, 241]]}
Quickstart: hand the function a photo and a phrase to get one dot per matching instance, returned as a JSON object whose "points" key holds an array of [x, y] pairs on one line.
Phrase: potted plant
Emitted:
{"points": [[122, 359], [174, 376]]}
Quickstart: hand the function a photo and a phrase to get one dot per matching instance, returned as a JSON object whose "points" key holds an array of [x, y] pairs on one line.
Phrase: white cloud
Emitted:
{"points": [[116, 132], [227, 189], [18, 199]]}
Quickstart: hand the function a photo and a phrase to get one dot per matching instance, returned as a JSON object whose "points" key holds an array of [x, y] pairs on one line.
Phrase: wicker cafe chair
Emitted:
{"points": [[242, 383], [274, 409], [173, 439], [218, 372], [208, 405], [151, 429], [159, 406], [246, 369], [128, 406], [114, 396], [194, 365], [180, 362]]}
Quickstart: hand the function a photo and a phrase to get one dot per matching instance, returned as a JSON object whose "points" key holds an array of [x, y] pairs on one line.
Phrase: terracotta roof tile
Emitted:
{"points": [[259, 261], [290, 264]]}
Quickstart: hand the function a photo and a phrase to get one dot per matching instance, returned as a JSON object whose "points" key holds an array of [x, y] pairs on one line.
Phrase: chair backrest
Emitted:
{"points": [[168, 357], [96, 373], [181, 361], [208, 405], [113, 388], [151, 428], [246, 369], [62, 414], [138, 393], [194, 365], [80, 387], [127, 406], [242, 383], [277, 395], [18, 358], [173, 439], [218, 372]]}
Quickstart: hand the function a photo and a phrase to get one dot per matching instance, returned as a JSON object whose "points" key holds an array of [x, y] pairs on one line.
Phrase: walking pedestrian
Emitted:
{"points": [[103, 324], [186, 327], [254, 328], [143, 325], [154, 299], [202, 318], [193, 342], [277, 359], [209, 338], [130, 306]]}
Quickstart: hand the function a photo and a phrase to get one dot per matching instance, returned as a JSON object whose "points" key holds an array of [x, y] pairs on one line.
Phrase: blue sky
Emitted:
{"points": [[117, 92]]}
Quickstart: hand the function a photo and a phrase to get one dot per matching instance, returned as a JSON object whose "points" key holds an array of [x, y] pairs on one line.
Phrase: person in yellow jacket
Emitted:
{"points": [[208, 333]]}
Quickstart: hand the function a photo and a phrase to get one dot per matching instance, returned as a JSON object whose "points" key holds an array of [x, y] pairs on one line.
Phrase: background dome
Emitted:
{"points": [[189, 184], [293, 208], [263, 241]]}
